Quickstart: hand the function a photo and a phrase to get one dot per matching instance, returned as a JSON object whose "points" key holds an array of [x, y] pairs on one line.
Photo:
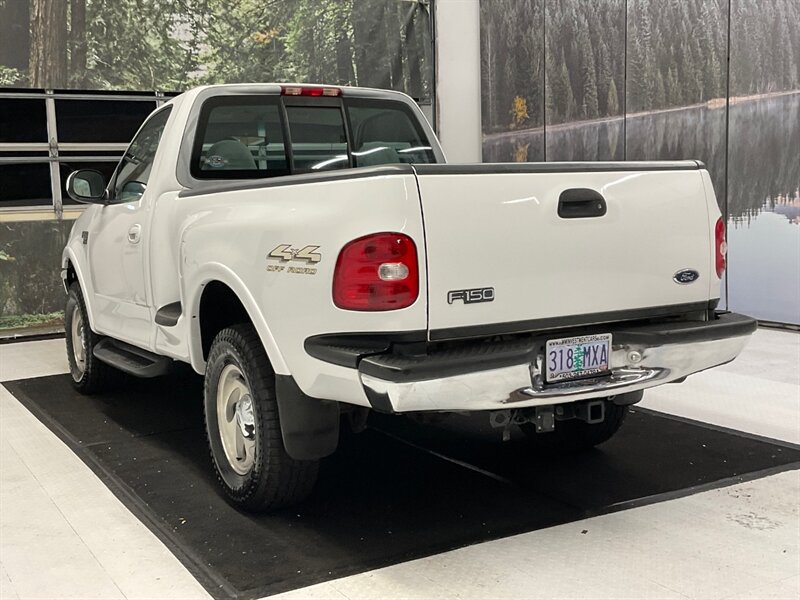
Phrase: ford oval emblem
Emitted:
{"points": [[686, 276]]}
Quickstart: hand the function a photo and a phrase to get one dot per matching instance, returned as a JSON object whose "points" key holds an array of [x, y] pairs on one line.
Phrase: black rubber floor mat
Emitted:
{"points": [[398, 491]]}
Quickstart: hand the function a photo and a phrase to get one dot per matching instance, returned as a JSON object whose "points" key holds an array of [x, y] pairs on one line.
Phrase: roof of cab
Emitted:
{"points": [[276, 88]]}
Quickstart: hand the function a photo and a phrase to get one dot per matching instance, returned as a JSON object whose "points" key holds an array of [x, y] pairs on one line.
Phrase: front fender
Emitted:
{"points": [[69, 257], [195, 283]]}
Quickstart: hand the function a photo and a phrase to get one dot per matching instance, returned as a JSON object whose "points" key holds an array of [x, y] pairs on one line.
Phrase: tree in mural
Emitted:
{"points": [[513, 64], [585, 49], [48, 61], [171, 45]]}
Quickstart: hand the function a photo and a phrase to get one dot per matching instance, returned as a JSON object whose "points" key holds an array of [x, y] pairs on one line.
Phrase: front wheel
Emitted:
{"points": [[89, 375], [575, 435], [243, 426]]}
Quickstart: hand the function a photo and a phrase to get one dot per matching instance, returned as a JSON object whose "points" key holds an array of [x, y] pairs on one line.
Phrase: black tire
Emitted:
{"points": [[89, 375], [575, 435], [267, 478]]}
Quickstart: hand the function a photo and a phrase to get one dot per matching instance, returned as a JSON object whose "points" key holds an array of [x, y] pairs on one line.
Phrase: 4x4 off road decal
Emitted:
{"points": [[285, 253]]}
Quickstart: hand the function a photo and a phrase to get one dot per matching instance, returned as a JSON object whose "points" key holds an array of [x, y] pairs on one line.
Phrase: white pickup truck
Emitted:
{"points": [[308, 251]]}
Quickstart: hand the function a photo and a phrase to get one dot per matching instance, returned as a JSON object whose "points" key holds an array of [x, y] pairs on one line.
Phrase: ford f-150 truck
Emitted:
{"points": [[308, 251]]}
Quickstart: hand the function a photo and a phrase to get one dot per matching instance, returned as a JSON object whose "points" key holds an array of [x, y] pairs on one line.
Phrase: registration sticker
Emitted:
{"points": [[577, 357]]}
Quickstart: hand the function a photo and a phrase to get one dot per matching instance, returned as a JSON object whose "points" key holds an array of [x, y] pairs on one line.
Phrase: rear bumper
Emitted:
{"points": [[496, 375]]}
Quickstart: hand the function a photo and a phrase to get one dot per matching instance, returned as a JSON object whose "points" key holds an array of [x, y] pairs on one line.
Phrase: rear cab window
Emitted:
{"points": [[258, 136], [318, 136], [386, 132], [239, 137]]}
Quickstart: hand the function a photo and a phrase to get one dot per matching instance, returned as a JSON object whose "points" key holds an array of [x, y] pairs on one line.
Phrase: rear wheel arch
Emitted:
{"points": [[218, 306]]}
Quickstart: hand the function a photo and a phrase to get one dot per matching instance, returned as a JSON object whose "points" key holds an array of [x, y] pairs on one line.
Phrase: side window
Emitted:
{"points": [[385, 131], [319, 142], [239, 137], [137, 162]]}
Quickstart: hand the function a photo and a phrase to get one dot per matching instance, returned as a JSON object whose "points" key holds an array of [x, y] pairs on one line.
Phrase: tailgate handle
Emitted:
{"points": [[581, 203]]}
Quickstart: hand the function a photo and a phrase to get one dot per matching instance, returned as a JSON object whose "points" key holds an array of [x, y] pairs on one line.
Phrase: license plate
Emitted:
{"points": [[577, 357]]}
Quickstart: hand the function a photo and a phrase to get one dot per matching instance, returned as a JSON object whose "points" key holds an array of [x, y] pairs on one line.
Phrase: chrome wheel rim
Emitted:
{"points": [[78, 343], [235, 419]]}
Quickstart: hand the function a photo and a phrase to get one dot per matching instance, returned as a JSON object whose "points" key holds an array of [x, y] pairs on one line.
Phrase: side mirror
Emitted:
{"points": [[87, 185]]}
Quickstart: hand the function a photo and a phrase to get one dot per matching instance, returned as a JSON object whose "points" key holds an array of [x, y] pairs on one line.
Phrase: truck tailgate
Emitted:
{"points": [[501, 227]]}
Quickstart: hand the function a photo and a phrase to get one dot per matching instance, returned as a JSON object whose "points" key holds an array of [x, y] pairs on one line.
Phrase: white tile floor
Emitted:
{"points": [[64, 535]]}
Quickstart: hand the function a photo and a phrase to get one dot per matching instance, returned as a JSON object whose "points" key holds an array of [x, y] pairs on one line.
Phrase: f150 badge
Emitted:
{"points": [[471, 296], [286, 253]]}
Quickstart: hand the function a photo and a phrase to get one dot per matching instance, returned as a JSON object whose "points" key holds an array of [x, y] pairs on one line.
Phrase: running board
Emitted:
{"points": [[130, 359]]}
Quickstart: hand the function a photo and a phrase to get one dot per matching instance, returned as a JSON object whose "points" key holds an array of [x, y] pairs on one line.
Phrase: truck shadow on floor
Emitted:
{"points": [[397, 491]]}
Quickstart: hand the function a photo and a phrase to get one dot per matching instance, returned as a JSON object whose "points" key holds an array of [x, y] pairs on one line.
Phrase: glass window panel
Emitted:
{"points": [[116, 155], [134, 169], [32, 290], [100, 121], [239, 138], [26, 184], [319, 142], [386, 132], [23, 120], [24, 154]]}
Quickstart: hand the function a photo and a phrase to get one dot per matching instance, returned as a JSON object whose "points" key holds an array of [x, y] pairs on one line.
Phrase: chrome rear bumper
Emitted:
{"points": [[642, 357]]}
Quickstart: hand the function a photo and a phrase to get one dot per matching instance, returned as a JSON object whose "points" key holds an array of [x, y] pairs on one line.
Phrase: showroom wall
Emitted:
{"points": [[648, 79], [554, 80], [77, 77]]}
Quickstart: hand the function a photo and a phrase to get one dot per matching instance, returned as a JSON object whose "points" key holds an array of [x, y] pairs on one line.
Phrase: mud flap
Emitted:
{"points": [[309, 427], [627, 399]]}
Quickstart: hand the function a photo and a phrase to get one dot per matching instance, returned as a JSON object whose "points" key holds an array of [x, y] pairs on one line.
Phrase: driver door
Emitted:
{"points": [[117, 241]]}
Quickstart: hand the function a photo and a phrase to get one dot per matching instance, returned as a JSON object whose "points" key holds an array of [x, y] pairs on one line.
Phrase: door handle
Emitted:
{"points": [[134, 234], [580, 203]]}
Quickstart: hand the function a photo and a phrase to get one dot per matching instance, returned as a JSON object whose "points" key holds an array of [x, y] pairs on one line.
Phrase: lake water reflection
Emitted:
{"points": [[761, 195], [764, 265]]}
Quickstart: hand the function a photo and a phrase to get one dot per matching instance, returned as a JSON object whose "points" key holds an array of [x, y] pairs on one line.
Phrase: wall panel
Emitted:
{"points": [[675, 102], [585, 83], [512, 80], [677, 82], [764, 161]]}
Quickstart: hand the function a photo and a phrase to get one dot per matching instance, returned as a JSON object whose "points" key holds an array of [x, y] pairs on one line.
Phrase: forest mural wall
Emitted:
{"points": [[168, 46], [649, 79], [171, 45]]}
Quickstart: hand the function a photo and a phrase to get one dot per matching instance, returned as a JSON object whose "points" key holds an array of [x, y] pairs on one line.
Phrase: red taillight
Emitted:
{"points": [[377, 272], [310, 90], [720, 247]]}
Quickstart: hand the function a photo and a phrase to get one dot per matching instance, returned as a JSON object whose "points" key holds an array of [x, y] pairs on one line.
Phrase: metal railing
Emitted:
{"points": [[18, 152]]}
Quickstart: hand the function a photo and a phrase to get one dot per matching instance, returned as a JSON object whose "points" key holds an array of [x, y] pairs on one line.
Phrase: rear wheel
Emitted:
{"points": [[243, 426], [575, 435], [89, 375]]}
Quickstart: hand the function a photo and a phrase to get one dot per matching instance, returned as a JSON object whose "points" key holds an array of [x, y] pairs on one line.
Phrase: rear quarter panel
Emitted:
{"points": [[228, 236]]}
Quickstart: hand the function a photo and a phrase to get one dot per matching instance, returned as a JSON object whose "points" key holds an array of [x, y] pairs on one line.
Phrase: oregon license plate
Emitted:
{"points": [[576, 357]]}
